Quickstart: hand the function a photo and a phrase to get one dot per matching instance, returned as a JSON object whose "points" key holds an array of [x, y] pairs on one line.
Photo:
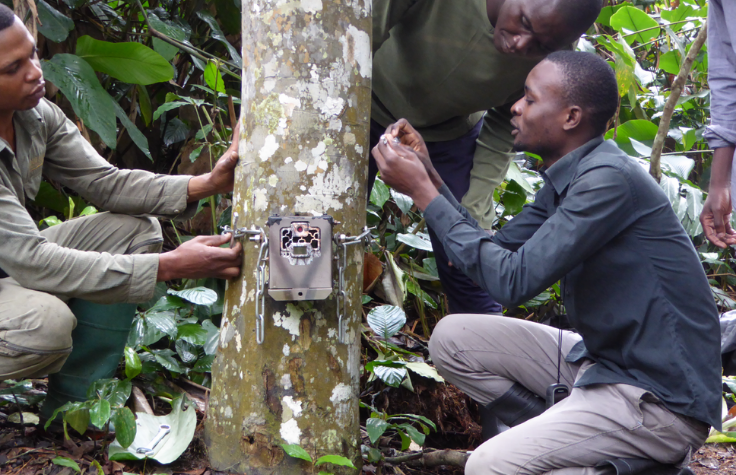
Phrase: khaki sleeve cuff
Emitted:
{"points": [[143, 280], [176, 195]]}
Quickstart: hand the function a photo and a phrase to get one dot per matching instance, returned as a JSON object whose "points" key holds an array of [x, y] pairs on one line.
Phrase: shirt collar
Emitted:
{"points": [[28, 121], [561, 172]]}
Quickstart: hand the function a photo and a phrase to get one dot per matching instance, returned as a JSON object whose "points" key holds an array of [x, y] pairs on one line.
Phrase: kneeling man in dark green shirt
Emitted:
{"points": [[644, 369]]}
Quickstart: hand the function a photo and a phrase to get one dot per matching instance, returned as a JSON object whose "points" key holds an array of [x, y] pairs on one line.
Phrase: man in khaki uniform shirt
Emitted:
{"points": [[107, 258]]}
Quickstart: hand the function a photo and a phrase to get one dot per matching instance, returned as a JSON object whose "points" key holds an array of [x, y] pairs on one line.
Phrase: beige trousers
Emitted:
{"points": [[484, 355], [36, 327]]}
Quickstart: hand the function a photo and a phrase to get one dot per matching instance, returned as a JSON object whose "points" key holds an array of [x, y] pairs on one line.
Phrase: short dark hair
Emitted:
{"points": [[579, 15], [7, 17], [590, 83]]}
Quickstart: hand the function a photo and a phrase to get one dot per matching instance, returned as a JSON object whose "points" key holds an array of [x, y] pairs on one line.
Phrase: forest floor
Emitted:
{"points": [[29, 450]]}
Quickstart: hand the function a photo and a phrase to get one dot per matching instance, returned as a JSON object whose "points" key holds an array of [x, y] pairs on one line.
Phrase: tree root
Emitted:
{"points": [[455, 458]]}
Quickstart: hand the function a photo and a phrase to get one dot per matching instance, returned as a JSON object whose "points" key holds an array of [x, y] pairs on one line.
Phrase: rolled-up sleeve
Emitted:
{"points": [[73, 162], [36, 263], [722, 74], [490, 164], [598, 206]]}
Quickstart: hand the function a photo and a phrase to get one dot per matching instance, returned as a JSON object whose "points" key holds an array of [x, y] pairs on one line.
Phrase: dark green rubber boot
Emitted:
{"points": [[98, 343]]}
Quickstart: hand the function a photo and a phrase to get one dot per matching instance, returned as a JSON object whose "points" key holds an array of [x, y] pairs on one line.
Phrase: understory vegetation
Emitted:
{"points": [[169, 72]]}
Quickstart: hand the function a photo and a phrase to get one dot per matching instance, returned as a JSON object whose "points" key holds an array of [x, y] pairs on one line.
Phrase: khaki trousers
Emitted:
{"points": [[36, 327], [484, 355]]}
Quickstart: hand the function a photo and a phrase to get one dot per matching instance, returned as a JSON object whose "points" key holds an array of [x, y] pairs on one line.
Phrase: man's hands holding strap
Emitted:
{"points": [[202, 256], [406, 166]]}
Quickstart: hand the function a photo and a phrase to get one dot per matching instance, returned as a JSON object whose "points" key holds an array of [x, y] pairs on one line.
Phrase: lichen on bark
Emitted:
{"points": [[304, 146]]}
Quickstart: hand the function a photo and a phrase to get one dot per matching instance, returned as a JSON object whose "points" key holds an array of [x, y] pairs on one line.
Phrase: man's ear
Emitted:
{"points": [[573, 119]]}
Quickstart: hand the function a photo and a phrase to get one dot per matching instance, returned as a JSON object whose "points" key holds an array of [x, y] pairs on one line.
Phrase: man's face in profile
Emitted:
{"points": [[21, 79], [539, 116]]}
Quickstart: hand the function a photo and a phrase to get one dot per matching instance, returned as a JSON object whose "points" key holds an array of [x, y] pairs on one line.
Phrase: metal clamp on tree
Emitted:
{"points": [[300, 266]]}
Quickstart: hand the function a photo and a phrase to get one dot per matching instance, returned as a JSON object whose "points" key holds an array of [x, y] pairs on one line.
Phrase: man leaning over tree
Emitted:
{"points": [[56, 279], [453, 69], [645, 367]]}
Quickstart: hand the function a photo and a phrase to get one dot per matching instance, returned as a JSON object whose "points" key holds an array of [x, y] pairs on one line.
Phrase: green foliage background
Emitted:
{"points": [[155, 85]]}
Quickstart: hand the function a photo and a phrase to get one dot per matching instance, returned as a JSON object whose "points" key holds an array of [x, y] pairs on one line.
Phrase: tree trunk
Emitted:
{"points": [[303, 151]]}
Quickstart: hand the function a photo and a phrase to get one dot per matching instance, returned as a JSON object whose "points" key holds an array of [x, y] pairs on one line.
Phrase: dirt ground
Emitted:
{"points": [[29, 450]]}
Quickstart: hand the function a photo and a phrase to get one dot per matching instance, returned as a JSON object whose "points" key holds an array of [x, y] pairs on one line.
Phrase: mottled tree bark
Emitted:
{"points": [[303, 151]]}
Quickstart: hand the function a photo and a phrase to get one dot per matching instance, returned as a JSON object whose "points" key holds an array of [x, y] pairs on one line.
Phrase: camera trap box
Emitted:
{"points": [[300, 257]]}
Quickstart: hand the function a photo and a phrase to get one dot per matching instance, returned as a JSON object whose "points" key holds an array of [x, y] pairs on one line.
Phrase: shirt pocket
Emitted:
{"points": [[35, 172]]}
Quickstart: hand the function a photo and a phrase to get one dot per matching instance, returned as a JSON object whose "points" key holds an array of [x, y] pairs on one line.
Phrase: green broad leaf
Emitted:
{"points": [[514, 174], [404, 202], [604, 17], [170, 29], [213, 78], [135, 134], [60, 410], [163, 321], [50, 221], [88, 211], [192, 333], [144, 105], [643, 131], [132, 363], [217, 34], [78, 82], [334, 460], [405, 440], [391, 376], [204, 364], [680, 13], [416, 241], [375, 428], [203, 132], [114, 390], [166, 359], [167, 106], [325, 473], [415, 435], [49, 197], [213, 337], [78, 418], [415, 289], [380, 193], [386, 320], [66, 462], [125, 427], [99, 413], [430, 265], [680, 165], [196, 153], [129, 62], [182, 420], [424, 370], [186, 351], [176, 131], [25, 418], [513, 198], [418, 418], [196, 295], [629, 19], [52, 24], [670, 62], [296, 451]]}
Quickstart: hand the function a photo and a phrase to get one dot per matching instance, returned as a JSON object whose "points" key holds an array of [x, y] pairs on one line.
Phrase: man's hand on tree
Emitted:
{"points": [[201, 257], [403, 170], [716, 217], [222, 177], [408, 136]]}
